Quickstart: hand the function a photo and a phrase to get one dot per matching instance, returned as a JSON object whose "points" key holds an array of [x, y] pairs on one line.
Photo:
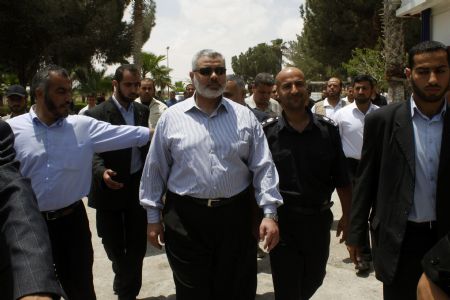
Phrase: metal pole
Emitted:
{"points": [[167, 57]]}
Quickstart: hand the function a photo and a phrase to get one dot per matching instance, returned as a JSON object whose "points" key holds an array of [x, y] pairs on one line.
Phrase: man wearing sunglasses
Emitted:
{"points": [[209, 155]]}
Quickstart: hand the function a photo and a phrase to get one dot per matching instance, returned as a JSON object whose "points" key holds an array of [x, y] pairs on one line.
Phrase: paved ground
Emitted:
{"points": [[340, 281]]}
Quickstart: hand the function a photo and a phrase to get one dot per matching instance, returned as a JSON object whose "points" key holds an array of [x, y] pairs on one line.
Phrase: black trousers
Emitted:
{"points": [[417, 242], [299, 261], [211, 250], [73, 255], [124, 237]]}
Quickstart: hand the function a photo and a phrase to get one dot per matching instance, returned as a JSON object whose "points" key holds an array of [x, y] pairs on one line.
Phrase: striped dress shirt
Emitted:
{"points": [[208, 156]]}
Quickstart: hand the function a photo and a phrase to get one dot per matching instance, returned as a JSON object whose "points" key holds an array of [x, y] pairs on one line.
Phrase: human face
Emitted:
{"points": [[17, 104], [233, 92], [430, 76], [146, 91], [209, 86], [58, 97], [91, 101], [190, 90], [363, 92], [128, 88], [274, 94], [333, 88], [261, 94], [291, 89]]}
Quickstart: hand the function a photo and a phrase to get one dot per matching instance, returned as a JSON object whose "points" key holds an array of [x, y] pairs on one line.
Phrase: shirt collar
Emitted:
{"points": [[34, 117], [190, 104], [121, 108], [283, 123], [416, 111]]}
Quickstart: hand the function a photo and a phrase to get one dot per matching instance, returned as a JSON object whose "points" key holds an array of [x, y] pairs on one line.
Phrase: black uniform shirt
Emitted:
{"points": [[311, 163]]}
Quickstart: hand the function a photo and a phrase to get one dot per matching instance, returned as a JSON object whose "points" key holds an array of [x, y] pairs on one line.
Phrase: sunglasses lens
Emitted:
{"points": [[208, 71]]}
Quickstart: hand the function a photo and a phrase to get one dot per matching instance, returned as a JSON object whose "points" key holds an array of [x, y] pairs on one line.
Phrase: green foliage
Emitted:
{"points": [[262, 58], [179, 86], [368, 61], [151, 65], [68, 33], [88, 80]]}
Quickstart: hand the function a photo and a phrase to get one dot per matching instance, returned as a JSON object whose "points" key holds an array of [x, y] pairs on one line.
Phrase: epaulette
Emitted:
{"points": [[269, 121], [326, 120]]}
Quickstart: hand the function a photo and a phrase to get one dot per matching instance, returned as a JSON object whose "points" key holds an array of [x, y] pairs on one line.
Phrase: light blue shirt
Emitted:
{"points": [[58, 158], [427, 141], [128, 116], [203, 156]]}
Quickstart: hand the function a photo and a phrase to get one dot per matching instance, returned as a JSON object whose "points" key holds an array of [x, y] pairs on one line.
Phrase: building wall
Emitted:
{"points": [[440, 26]]}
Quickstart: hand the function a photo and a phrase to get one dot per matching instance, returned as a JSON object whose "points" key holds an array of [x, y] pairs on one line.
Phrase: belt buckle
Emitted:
{"points": [[211, 201]]}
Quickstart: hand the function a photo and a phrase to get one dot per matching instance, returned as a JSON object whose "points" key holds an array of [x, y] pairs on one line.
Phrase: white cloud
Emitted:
{"points": [[228, 26]]}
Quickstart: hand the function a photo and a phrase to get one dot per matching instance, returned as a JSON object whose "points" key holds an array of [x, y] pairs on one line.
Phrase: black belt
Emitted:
{"points": [[56, 214], [211, 202], [429, 225]]}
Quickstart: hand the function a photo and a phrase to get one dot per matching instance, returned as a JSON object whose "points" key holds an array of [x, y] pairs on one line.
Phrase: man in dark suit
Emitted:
{"points": [[121, 221], [402, 184], [26, 265]]}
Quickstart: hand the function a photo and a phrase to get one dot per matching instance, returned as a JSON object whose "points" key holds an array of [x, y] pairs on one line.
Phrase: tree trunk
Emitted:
{"points": [[394, 50], [138, 27]]}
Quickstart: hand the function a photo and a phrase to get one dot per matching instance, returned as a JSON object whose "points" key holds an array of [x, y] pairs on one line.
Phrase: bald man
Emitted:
{"points": [[307, 152]]}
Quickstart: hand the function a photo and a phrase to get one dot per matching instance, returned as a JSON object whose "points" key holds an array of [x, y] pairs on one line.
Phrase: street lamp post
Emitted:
{"points": [[167, 57]]}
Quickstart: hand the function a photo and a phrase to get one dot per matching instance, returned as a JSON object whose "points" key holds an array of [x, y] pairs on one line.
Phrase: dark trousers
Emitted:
{"points": [[73, 255], [124, 237], [352, 166], [417, 242], [299, 261], [211, 250]]}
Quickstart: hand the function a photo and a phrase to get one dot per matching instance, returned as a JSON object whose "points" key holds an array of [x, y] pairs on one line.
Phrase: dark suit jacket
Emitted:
{"points": [[385, 185], [436, 264], [26, 265], [100, 196]]}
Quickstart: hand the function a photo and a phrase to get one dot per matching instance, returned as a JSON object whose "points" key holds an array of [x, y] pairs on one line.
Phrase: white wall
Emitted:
{"points": [[440, 25]]}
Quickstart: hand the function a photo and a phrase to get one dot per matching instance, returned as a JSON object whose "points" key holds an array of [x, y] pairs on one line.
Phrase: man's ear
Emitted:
{"points": [[39, 93], [191, 74], [408, 72]]}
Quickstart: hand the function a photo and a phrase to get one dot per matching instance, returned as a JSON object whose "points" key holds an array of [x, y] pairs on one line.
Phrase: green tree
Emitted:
{"points": [[89, 80], [143, 22], [69, 33], [179, 86], [261, 58], [368, 61], [151, 64]]}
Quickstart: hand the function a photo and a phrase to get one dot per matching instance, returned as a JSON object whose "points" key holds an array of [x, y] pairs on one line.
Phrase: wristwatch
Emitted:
{"points": [[272, 216]]}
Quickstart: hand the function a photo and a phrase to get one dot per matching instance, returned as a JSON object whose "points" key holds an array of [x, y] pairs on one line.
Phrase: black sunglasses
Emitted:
{"points": [[207, 71]]}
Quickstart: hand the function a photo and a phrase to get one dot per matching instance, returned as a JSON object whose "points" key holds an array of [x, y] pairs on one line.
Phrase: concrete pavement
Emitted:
{"points": [[340, 281]]}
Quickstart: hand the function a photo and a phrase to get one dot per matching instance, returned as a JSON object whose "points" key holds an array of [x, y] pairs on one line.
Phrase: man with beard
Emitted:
{"points": [[350, 120], [402, 180], [55, 151], [307, 152], [147, 97], [333, 102], [189, 91], [208, 154], [121, 220], [17, 101]]}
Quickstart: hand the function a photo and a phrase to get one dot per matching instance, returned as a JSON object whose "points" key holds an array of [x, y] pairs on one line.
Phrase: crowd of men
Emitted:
{"points": [[211, 176]]}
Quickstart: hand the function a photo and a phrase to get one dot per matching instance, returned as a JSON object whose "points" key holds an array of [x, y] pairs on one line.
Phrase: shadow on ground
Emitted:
{"points": [[170, 297]]}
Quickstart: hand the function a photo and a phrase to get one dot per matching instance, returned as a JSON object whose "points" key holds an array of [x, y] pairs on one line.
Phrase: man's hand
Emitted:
{"points": [[268, 230], [355, 253], [107, 178], [427, 290], [342, 227], [36, 297], [155, 234]]}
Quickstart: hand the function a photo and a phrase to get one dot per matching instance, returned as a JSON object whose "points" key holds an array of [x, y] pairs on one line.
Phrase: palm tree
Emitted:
{"points": [[143, 22], [394, 50], [91, 80], [151, 64]]}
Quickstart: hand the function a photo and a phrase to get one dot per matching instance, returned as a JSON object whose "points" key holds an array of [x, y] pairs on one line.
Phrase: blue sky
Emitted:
{"points": [[228, 26]]}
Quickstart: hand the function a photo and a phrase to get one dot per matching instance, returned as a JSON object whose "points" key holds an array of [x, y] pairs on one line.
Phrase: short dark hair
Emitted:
{"points": [[426, 47], [238, 80], [363, 78], [42, 76], [118, 75], [264, 79], [149, 80]]}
